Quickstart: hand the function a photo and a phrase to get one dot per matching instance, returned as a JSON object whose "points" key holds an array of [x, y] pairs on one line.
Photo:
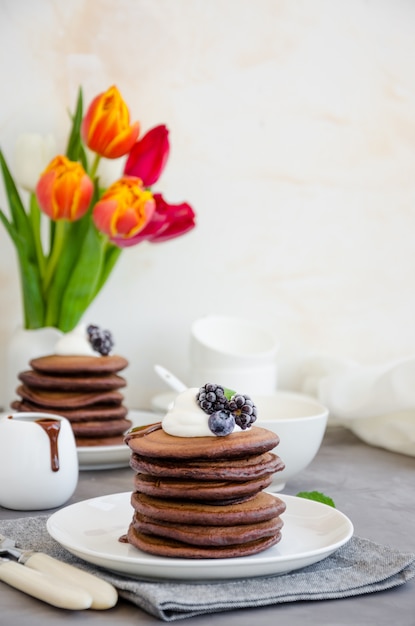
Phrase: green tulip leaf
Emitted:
{"points": [[66, 239], [19, 217], [75, 150], [30, 278], [83, 281], [111, 255]]}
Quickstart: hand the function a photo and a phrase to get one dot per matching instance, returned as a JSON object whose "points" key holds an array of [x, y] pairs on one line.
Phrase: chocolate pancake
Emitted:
{"points": [[154, 443], [162, 546], [208, 491], [207, 535], [84, 389], [99, 412], [238, 470], [38, 380], [83, 442], [261, 507], [103, 428], [69, 399], [56, 364]]}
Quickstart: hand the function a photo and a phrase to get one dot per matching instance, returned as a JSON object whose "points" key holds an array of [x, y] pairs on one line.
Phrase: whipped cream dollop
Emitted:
{"points": [[75, 343], [185, 418]]}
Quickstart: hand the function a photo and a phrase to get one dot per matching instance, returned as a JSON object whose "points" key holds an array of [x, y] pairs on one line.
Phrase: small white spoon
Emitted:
{"points": [[170, 379]]}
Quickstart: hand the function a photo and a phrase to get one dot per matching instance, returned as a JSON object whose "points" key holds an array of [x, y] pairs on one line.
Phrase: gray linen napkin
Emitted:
{"points": [[359, 567]]}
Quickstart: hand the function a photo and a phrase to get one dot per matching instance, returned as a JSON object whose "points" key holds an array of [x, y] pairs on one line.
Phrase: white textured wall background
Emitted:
{"points": [[292, 126]]}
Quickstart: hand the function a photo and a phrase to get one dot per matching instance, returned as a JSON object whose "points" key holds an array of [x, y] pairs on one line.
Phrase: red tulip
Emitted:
{"points": [[123, 210], [64, 191], [149, 155], [106, 126], [168, 221]]}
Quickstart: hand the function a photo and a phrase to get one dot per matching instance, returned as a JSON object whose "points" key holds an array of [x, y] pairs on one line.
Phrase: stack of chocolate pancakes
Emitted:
{"points": [[84, 389], [203, 497]]}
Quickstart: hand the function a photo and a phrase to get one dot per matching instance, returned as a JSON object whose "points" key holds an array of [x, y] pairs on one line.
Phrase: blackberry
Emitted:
{"points": [[221, 423], [211, 398], [243, 410], [100, 340]]}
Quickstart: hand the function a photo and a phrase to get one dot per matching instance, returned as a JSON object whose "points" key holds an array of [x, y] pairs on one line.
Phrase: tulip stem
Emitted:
{"points": [[58, 240], [94, 166], [36, 225]]}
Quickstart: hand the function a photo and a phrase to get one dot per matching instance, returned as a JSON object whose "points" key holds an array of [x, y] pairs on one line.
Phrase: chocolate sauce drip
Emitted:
{"points": [[52, 428], [142, 431]]}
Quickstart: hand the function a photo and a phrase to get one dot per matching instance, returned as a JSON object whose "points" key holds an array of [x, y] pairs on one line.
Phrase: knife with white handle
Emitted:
{"points": [[103, 594], [44, 587]]}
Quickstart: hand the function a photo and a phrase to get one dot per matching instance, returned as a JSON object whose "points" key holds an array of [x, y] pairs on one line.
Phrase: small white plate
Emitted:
{"points": [[112, 457], [91, 530]]}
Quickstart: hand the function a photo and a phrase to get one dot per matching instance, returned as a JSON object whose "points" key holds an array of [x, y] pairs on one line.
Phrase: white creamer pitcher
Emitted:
{"points": [[38, 461]]}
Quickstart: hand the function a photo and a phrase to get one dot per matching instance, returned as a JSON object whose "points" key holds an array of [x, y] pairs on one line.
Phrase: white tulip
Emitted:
{"points": [[33, 152]]}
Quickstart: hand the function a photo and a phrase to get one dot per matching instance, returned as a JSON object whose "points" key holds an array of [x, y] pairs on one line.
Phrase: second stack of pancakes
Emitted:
{"points": [[84, 389], [204, 497]]}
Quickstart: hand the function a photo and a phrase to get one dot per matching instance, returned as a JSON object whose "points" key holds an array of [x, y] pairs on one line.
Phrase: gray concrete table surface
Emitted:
{"points": [[375, 488]]}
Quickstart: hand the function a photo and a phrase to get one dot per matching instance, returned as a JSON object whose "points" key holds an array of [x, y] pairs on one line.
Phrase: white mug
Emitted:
{"points": [[38, 461], [249, 380], [233, 352]]}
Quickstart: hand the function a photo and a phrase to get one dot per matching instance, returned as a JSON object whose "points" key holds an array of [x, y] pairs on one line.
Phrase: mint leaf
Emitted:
{"points": [[228, 393], [317, 496]]}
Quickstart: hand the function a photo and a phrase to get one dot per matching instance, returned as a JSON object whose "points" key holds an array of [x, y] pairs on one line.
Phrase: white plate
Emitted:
{"points": [[111, 457], [91, 530]]}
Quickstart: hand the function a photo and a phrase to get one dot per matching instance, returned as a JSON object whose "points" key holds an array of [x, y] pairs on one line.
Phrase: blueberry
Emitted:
{"points": [[221, 423]]}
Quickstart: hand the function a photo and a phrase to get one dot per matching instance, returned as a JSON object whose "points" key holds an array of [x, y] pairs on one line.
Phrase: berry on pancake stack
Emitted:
{"points": [[80, 381], [200, 479]]}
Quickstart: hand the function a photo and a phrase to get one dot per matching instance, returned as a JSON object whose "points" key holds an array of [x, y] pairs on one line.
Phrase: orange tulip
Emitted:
{"points": [[64, 190], [124, 209], [106, 126]]}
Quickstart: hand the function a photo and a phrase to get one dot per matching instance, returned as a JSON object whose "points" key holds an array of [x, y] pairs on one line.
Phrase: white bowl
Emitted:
{"points": [[300, 422]]}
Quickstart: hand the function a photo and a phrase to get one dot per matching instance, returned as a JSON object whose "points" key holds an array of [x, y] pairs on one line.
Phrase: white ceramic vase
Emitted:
{"points": [[23, 346]]}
